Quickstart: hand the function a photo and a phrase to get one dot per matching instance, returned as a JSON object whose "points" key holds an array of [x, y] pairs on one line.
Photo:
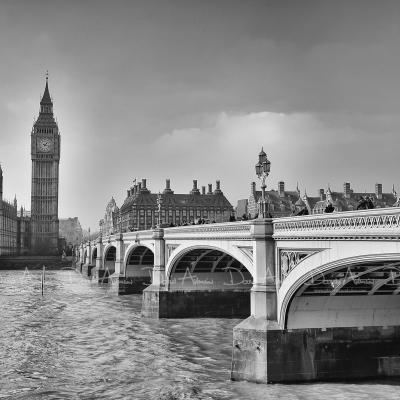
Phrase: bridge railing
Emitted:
{"points": [[138, 235], [227, 230], [231, 230], [375, 223]]}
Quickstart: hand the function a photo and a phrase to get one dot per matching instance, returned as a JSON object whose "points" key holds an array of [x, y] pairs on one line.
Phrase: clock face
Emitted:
{"points": [[45, 145]]}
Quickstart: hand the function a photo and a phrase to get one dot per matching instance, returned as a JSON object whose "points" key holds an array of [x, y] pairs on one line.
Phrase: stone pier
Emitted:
{"points": [[264, 353]]}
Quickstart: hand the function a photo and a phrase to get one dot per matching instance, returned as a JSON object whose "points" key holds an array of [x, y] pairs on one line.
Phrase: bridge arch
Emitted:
{"points": [[110, 256], [231, 250], [207, 281], [138, 267], [352, 291], [132, 247]]}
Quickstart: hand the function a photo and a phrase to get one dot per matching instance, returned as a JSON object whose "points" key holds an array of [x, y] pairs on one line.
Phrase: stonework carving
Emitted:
{"points": [[170, 249], [247, 251], [289, 259]]}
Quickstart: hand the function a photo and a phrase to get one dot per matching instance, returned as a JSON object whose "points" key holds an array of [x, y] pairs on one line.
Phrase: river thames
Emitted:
{"points": [[80, 341]]}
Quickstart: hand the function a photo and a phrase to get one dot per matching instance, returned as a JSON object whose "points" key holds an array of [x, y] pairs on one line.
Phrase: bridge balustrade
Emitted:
{"points": [[381, 222]]}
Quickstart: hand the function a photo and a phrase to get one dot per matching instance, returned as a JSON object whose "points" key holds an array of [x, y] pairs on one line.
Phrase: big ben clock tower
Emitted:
{"points": [[45, 154]]}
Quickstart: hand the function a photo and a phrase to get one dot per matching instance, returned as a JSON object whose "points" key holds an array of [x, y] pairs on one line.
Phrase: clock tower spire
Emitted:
{"points": [[45, 155]]}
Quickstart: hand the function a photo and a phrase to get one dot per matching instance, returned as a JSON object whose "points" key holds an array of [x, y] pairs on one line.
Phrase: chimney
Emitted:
{"points": [[281, 189], [139, 186], [378, 191], [195, 190], [209, 188], [143, 187], [217, 187], [321, 194], [203, 190], [167, 189], [253, 188], [346, 190]]}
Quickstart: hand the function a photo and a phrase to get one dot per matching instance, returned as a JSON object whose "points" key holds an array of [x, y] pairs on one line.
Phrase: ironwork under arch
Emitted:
{"points": [[209, 269], [370, 290]]}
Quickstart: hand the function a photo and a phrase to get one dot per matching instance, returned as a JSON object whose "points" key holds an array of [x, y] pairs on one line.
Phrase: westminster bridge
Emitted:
{"points": [[320, 293]]}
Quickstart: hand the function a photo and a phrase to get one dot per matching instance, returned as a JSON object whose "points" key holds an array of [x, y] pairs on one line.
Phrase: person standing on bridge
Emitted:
{"points": [[362, 204], [329, 208], [370, 203]]}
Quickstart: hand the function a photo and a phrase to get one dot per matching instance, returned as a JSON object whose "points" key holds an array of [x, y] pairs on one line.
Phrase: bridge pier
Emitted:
{"points": [[80, 259], [265, 353], [153, 303], [124, 285], [87, 266], [194, 304], [98, 270], [252, 337], [86, 270]]}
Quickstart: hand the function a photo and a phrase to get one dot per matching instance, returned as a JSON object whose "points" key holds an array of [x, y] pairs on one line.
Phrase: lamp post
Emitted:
{"points": [[159, 204], [262, 170]]}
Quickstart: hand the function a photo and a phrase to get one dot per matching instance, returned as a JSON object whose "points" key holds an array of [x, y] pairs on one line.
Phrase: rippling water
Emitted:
{"points": [[80, 341]]}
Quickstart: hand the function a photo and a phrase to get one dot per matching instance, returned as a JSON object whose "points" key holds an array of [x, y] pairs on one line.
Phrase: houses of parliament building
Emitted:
{"points": [[36, 232]]}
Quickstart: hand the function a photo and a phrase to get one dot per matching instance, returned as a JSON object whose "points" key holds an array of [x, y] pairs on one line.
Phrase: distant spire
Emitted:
{"points": [[46, 99]]}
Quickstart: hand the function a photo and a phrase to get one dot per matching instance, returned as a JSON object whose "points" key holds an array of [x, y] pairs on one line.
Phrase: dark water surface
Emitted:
{"points": [[80, 341]]}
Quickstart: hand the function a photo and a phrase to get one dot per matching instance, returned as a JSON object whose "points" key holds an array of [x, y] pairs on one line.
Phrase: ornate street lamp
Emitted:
{"points": [[159, 204], [262, 170]]}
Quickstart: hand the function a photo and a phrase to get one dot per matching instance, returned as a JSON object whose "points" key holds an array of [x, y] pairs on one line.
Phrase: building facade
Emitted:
{"points": [[45, 154], [23, 232], [8, 223], [107, 223], [283, 203], [140, 210], [349, 199]]}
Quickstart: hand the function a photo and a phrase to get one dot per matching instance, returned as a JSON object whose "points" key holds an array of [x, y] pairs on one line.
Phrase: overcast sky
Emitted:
{"points": [[192, 90]]}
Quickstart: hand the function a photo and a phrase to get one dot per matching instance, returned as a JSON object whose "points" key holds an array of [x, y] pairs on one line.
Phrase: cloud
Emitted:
{"points": [[309, 148]]}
